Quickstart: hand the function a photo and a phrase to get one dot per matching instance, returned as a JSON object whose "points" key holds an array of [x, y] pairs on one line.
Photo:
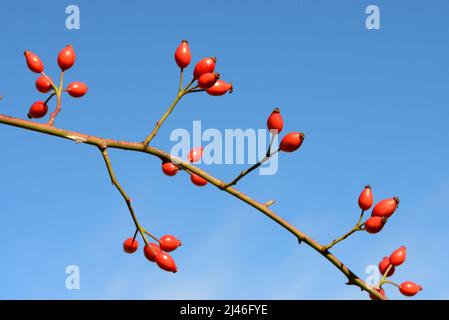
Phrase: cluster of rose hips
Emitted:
{"points": [[291, 141], [156, 252], [195, 154], [387, 269], [381, 211], [44, 84], [207, 79]]}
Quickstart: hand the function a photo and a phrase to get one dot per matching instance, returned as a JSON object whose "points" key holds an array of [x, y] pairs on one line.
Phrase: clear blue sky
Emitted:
{"points": [[373, 104]]}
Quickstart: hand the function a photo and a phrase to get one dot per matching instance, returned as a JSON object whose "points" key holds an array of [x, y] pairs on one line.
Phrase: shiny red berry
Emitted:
{"points": [[182, 54], [385, 208], [409, 288], [291, 142], [77, 89], [206, 65], [66, 58], [366, 198], [43, 85], [130, 245], [166, 262], [207, 80], [38, 110], [195, 154], [169, 243], [383, 266], [398, 256], [374, 224], [219, 88], [169, 168], [34, 62], [152, 251], [197, 180], [380, 290], [275, 123]]}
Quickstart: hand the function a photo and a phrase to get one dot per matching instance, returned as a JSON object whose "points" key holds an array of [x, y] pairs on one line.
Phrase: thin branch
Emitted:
{"points": [[139, 147], [164, 117], [55, 113], [250, 169], [107, 160], [358, 227]]}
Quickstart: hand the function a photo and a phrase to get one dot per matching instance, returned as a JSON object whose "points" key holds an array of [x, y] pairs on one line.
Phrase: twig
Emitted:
{"points": [[250, 169], [358, 227], [104, 152], [164, 156], [164, 117]]}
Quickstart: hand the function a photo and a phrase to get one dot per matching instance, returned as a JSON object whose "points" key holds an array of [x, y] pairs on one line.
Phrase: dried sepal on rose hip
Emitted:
{"points": [[130, 245], [169, 243], [366, 198], [77, 89], [409, 288], [38, 110], [183, 55], [291, 141], [66, 57], [275, 123], [34, 63]]}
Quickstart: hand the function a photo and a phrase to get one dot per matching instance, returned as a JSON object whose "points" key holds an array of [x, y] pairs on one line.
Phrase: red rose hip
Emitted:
{"points": [[207, 80], [366, 198], [291, 142], [385, 208], [169, 243], [383, 266], [166, 262], [275, 123], [38, 110], [374, 224], [169, 169], [130, 245], [43, 85], [77, 89], [152, 251], [398, 256], [380, 290], [197, 180], [206, 65], [195, 154], [34, 62], [409, 288], [183, 55], [219, 88], [66, 58]]}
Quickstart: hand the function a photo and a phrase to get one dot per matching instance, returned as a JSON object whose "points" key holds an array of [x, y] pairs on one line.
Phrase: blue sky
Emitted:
{"points": [[373, 104]]}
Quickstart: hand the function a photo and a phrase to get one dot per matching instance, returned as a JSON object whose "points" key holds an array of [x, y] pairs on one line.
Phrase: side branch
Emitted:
{"points": [[139, 147], [107, 160]]}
